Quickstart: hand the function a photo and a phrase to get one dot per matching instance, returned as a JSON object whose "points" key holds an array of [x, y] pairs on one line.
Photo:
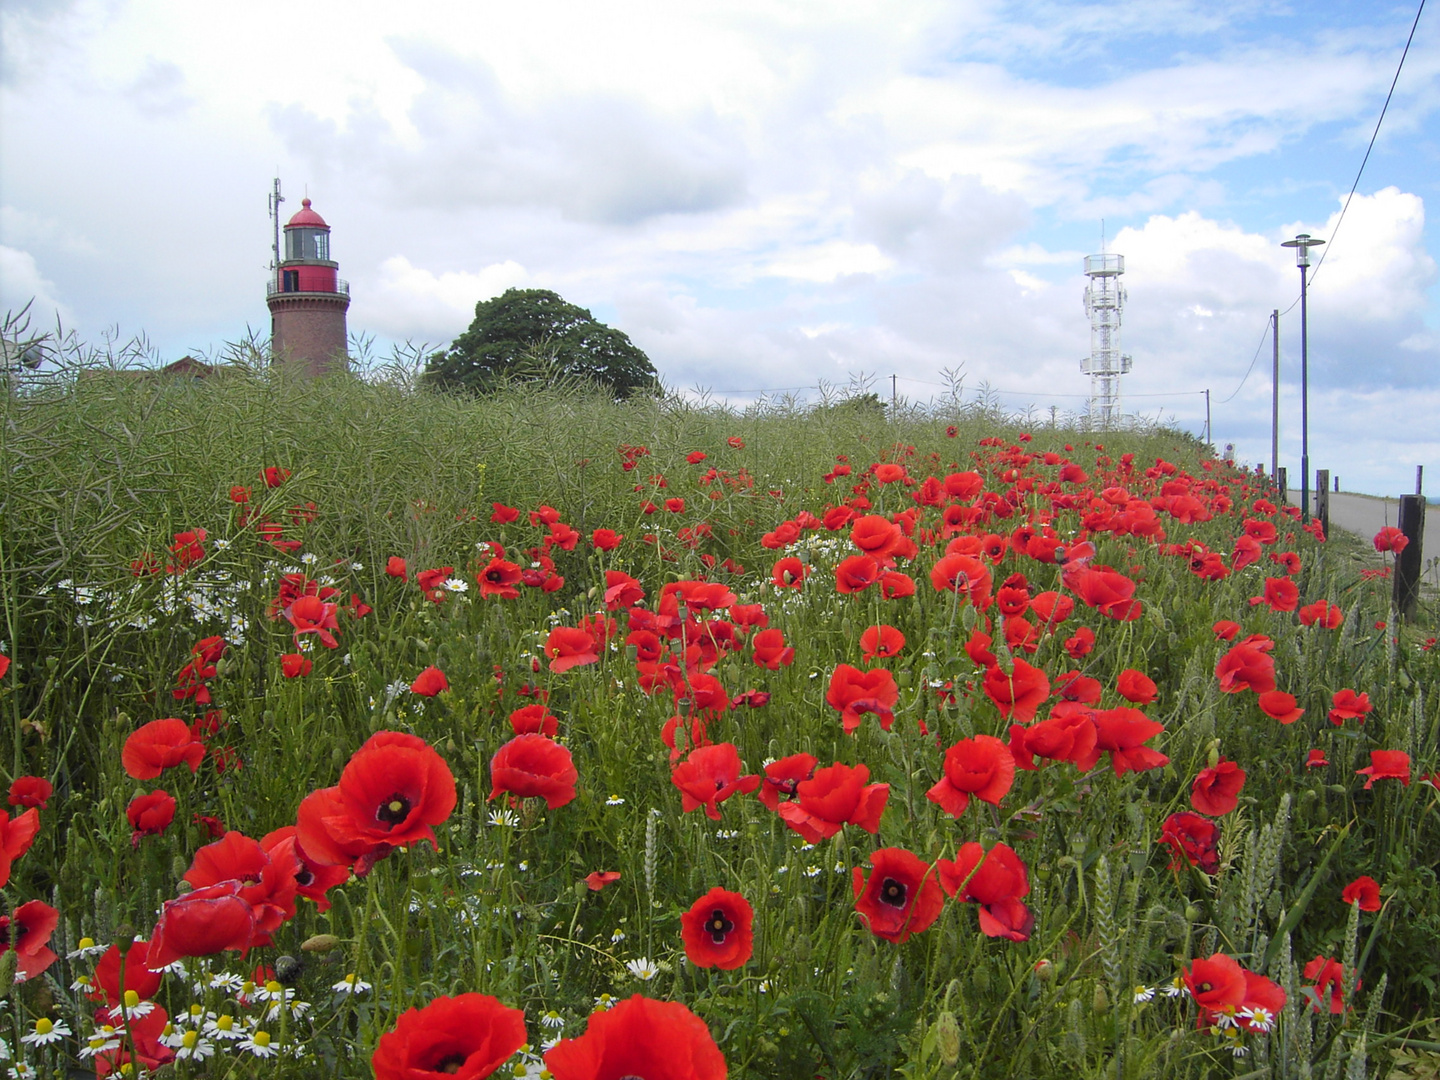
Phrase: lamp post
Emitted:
{"points": [[1302, 245]]}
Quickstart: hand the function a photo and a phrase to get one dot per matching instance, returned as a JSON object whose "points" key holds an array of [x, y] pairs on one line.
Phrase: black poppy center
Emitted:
{"points": [[393, 810], [1204, 987], [450, 1065], [304, 877], [495, 577], [892, 892], [718, 926]]}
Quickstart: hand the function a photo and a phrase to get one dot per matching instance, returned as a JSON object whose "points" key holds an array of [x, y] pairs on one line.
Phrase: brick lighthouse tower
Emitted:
{"points": [[307, 300]]}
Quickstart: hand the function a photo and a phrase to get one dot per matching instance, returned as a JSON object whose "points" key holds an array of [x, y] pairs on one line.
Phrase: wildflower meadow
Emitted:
{"points": [[353, 730]]}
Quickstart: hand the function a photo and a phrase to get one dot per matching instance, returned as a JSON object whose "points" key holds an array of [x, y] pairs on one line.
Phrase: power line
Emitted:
{"points": [[1373, 136], [1252, 363]]}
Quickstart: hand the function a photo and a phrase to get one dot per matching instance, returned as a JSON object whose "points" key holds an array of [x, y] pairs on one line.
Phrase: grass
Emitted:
{"points": [[101, 470]]}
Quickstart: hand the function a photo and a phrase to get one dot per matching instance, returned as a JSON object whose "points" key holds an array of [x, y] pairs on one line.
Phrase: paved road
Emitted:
{"points": [[1365, 515]]}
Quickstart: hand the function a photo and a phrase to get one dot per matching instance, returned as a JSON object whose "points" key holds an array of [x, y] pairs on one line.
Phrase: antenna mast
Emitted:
{"points": [[274, 204]]}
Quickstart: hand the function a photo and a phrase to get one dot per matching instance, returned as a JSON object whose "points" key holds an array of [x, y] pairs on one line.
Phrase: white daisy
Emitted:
{"points": [[643, 968], [1143, 993], [85, 947], [552, 1019], [260, 1044], [104, 1038], [456, 585], [46, 1031], [351, 984], [194, 1045], [225, 1026], [227, 981]]}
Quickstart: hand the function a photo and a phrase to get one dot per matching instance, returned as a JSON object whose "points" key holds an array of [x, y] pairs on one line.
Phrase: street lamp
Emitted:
{"points": [[1302, 245]]}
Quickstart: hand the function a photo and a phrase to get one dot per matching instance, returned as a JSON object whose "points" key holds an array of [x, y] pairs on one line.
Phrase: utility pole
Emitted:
{"points": [[1302, 245], [893, 393], [1274, 393], [1209, 437]]}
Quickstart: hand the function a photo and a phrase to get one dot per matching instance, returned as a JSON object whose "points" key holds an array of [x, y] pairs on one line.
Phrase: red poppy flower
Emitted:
{"points": [[1281, 594], [499, 578], [605, 539], [312, 879], [718, 930], [855, 693], [1193, 839], [770, 650], [1136, 686], [1364, 891], [500, 514], [981, 766], [150, 815], [1216, 790], [598, 879], [432, 582], [789, 572], [1348, 705], [295, 665], [621, 590], [311, 615], [1280, 706], [1217, 984], [267, 884], [1327, 615], [901, 895], [1315, 759], [783, 777], [708, 776], [1226, 630], [568, 647], [156, 746], [395, 567], [1019, 693], [735, 442], [240, 494], [963, 574], [881, 641], [896, 586], [274, 475], [856, 573], [1075, 687], [15, 838], [201, 923], [468, 1036], [1386, 765], [1070, 734], [534, 766], [1109, 592], [1122, 732], [996, 880], [1081, 644], [533, 720], [429, 682], [1328, 974], [640, 1037], [1053, 608], [833, 797], [1391, 539], [393, 789], [27, 930], [1247, 666], [31, 791]]}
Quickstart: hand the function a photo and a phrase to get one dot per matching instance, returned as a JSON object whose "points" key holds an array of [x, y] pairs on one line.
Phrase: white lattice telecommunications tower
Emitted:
{"points": [[1104, 302]]}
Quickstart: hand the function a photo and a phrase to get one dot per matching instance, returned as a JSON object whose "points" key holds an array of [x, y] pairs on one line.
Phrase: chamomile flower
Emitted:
{"points": [[615, 800], [225, 1026], [1259, 1018], [104, 1038], [605, 1001], [82, 983], [46, 1031], [351, 984], [1143, 993], [456, 585], [194, 1046], [227, 981], [1174, 988], [643, 968], [131, 1007], [507, 818], [552, 1019], [617, 937], [85, 947], [22, 1071], [259, 1043]]}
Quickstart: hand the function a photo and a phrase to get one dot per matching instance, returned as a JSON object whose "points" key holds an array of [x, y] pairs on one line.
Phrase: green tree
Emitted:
{"points": [[534, 334]]}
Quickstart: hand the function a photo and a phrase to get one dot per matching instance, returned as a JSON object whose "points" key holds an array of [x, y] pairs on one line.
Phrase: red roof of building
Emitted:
{"points": [[306, 218]]}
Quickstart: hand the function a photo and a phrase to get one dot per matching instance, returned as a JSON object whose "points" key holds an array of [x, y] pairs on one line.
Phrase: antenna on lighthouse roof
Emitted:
{"points": [[1102, 236], [274, 204]]}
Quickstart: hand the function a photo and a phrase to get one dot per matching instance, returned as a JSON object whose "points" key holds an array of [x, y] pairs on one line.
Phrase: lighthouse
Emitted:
{"points": [[306, 297]]}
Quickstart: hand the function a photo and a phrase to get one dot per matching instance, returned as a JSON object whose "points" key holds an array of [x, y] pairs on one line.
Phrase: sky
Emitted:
{"points": [[768, 197]]}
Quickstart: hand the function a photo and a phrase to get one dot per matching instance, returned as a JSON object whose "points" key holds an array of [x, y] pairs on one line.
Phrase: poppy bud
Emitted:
{"points": [[1213, 758], [320, 943], [947, 1037], [1100, 1003], [124, 938], [9, 959], [287, 970], [1045, 970], [1192, 913]]}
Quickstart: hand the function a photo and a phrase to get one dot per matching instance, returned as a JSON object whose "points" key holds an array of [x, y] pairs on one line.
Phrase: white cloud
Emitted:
{"points": [[21, 283], [408, 301]]}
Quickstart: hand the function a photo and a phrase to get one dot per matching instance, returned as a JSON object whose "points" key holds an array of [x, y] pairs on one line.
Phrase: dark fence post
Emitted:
{"points": [[1322, 499], [1281, 483], [1407, 563]]}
